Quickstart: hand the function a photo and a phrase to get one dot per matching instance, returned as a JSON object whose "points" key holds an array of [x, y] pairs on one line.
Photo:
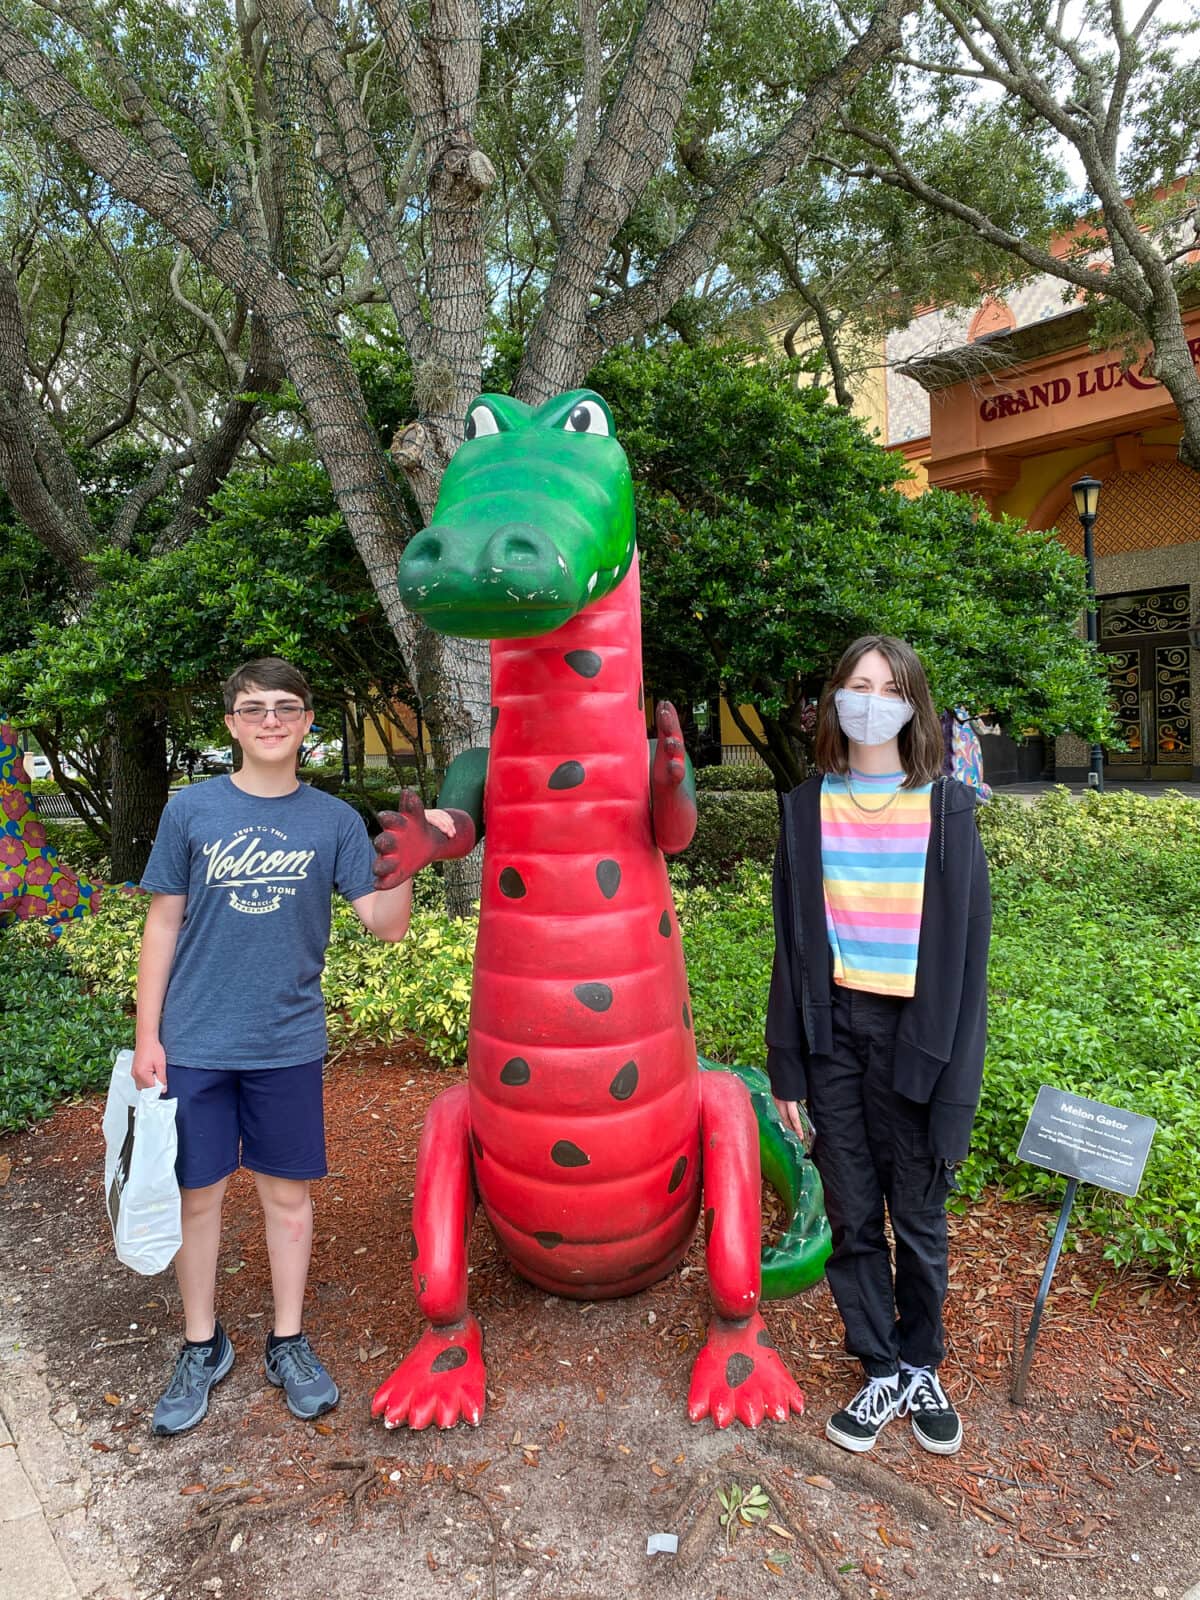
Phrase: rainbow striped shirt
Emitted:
{"points": [[874, 874]]}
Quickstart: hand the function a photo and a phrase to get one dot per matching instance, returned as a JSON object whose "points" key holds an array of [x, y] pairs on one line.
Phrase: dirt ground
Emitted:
{"points": [[1092, 1490]]}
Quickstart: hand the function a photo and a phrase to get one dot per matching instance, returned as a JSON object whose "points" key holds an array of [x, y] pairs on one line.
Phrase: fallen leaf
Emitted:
{"points": [[134, 1449], [883, 1536], [680, 1459], [430, 1562], [601, 1397], [818, 1481], [992, 1550], [624, 1449], [659, 1472], [192, 1488], [771, 1567], [531, 1459], [376, 1350], [99, 1444], [909, 1570], [322, 1427], [362, 1352], [783, 1533], [112, 1399], [236, 1543], [5, 1169], [229, 1271]]}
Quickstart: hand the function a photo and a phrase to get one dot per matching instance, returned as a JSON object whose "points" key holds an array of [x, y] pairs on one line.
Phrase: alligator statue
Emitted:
{"points": [[585, 1128]]}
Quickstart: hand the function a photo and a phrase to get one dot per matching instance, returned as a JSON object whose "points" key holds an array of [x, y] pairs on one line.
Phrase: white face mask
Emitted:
{"points": [[870, 718]]}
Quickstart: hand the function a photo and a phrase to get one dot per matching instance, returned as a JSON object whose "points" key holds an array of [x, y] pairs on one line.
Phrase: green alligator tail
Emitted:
{"points": [[798, 1260]]}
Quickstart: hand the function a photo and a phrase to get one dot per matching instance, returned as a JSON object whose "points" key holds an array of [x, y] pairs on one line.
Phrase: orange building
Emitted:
{"points": [[1012, 404]]}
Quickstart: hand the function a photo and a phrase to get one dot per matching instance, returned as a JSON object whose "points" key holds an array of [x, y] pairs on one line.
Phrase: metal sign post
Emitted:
{"points": [[1060, 1233], [1088, 1142]]}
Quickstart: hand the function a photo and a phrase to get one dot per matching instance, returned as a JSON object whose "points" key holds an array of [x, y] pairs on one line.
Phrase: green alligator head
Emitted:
{"points": [[534, 520]]}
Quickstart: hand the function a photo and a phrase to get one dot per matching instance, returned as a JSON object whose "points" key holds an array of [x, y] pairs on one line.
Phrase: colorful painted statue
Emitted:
{"points": [[33, 882], [585, 1128]]}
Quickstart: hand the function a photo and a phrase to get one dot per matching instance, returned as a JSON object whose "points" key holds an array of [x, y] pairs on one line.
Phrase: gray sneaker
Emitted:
{"points": [[293, 1367], [184, 1402]]}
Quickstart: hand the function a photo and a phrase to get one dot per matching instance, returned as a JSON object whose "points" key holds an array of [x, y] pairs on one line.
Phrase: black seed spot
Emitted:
{"points": [[737, 1369], [421, 1281], [595, 996], [478, 1143], [677, 1172], [709, 1218], [625, 1082], [687, 1016], [608, 876], [453, 1356], [495, 717], [549, 1241], [413, 1248], [664, 924], [641, 698], [566, 1154], [568, 775], [515, 1072], [512, 884], [585, 662], [764, 1339]]}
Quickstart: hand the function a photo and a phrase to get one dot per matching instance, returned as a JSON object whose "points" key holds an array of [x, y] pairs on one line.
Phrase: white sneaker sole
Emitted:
{"points": [[938, 1447], [849, 1442]]}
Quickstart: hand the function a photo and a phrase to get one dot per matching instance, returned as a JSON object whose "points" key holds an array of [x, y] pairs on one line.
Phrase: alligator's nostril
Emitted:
{"points": [[517, 548], [424, 550], [518, 544]]}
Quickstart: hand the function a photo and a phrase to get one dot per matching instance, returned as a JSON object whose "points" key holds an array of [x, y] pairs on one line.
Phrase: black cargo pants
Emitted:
{"points": [[872, 1150]]}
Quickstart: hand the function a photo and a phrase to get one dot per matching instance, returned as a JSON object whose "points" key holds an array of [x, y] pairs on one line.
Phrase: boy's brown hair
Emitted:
{"points": [[267, 673], [922, 747]]}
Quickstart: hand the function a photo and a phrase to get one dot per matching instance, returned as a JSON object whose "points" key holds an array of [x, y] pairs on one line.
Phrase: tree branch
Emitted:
{"points": [[648, 301], [60, 522]]}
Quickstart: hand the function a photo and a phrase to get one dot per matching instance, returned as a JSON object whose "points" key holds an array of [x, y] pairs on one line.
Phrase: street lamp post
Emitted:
{"points": [[1087, 502]]}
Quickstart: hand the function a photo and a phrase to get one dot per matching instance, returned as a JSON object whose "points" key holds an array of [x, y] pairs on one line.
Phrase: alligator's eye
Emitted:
{"points": [[480, 421], [588, 417]]}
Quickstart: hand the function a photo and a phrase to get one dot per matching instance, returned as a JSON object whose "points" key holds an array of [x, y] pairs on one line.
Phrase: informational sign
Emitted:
{"points": [[1087, 1140]]}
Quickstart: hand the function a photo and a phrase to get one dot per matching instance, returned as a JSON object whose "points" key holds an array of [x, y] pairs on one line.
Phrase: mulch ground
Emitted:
{"points": [[1109, 1433]]}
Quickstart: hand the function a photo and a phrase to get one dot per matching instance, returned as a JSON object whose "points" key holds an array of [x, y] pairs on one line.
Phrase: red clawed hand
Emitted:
{"points": [[410, 841]]}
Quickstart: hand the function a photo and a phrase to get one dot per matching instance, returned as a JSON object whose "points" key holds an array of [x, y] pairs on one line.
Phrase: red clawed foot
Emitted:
{"points": [[740, 1374], [409, 841], [442, 1380]]}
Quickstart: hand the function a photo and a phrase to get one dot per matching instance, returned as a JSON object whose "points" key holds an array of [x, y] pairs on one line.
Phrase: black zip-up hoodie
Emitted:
{"points": [[942, 1033]]}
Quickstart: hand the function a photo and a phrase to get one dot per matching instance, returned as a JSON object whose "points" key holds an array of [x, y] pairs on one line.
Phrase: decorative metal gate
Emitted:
{"points": [[1144, 640]]}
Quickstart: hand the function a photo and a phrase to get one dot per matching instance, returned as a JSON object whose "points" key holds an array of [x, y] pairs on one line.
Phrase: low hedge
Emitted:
{"points": [[59, 1039], [1095, 984], [730, 829], [740, 779]]}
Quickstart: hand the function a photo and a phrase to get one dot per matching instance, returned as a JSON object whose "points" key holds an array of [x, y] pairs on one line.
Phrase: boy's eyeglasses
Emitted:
{"points": [[255, 714]]}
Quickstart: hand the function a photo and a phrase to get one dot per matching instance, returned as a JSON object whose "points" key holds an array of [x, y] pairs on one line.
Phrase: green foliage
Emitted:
{"points": [[772, 534], [730, 827], [78, 848], [58, 1039], [1095, 987], [734, 780], [727, 942], [422, 986]]}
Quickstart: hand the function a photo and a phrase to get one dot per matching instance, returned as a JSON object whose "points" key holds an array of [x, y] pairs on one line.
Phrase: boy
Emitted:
{"points": [[230, 1016]]}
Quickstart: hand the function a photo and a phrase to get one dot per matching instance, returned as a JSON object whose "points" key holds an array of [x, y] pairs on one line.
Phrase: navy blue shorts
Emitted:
{"points": [[271, 1120]]}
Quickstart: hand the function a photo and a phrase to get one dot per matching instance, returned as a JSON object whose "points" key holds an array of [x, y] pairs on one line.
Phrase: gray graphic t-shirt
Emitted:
{"points": [[245, 986]]}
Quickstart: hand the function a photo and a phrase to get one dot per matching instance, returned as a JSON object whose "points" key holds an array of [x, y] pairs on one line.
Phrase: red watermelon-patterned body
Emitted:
{"points": [[585, 1127], [584, 1091]]}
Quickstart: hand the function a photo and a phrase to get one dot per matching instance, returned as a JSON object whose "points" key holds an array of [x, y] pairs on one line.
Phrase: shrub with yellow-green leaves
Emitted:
{"points": [[384, 991]]}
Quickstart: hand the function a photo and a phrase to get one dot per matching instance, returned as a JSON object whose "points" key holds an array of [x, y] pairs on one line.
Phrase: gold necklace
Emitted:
{"points": [[871, 811]]}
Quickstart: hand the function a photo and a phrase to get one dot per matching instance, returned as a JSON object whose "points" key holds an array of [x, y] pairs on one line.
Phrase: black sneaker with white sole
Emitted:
{"points": [[857, 1426], [935, 1423], [198, 1369]]}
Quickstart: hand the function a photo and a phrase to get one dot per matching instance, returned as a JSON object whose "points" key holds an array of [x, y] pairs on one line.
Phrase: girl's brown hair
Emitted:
{"points": [[922, 748]]}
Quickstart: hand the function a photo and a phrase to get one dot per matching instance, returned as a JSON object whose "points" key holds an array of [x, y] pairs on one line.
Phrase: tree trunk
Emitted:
{"points": [[139, 791]]}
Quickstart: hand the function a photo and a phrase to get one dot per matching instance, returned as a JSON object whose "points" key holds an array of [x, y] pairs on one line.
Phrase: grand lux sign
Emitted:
{"points": [[1081, 385]]}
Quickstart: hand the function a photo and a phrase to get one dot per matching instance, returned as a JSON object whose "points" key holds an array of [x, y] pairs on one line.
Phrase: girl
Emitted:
{"points": [[877, 1019]]}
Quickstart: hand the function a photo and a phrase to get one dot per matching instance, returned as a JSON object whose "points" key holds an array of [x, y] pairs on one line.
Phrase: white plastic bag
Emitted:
{"points": [[140, 1186]]}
